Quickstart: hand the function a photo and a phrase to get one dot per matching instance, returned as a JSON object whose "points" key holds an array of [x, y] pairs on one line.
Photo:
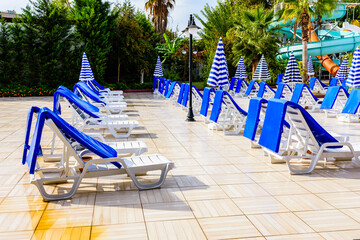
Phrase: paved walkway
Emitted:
{"points": [[220, 189]]}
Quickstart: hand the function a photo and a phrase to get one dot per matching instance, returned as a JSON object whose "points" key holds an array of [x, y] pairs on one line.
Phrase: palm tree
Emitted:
{"points": [[254, 37], [301, 11], [159, 10]]}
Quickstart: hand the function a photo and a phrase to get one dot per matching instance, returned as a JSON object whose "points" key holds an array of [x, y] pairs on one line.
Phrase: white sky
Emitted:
{"points": [[178, 17]]}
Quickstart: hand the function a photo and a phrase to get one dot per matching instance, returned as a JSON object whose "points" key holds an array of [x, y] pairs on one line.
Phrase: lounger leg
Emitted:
{"points": [[51, 197], [157, 184]]}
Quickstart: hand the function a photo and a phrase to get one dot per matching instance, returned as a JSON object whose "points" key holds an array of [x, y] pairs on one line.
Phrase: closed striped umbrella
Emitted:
{"points": [[292, 72], [158, 69], [240, 70], [353, 79], [342, 73], [86, 73], [262, 72], [219, 72], [311, 71]]}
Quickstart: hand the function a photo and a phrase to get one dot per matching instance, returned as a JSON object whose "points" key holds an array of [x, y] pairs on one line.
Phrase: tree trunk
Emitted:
{"points": [[305, 38], [118, 75], [254, 65], [295, 28]]}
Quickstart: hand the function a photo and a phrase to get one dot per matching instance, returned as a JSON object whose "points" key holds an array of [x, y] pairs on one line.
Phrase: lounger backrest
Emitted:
{"points": [[83, 88], [206, 101], [251, 86], [300, 89], [279, 90], [264, 88], [312, 83], [224, 99], [232, 84], [186, 95], [181, 93], [92, 87], [253, 117], [353, 102], [279, 79], [174, 85], [96, 84], [69, 132], [31, 113], [333, 82], [331, 95], [307, 129], [84, 106], [155, 83], [241, 85]]}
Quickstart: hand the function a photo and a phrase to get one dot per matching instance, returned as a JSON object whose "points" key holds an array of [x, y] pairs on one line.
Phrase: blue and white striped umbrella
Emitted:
{"points": [[158, 69], [292, 72], [219, 72], [353, 79], [86, 73], [311, 71], [342, 73], [262, 72], [240, 70]]}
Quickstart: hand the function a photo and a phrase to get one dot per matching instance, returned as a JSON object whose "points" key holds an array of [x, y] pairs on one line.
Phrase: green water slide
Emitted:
{"points": [[345, 42]]}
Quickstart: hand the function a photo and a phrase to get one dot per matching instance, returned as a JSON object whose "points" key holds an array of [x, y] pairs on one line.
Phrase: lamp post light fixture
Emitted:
{"points": [[190, 30]]}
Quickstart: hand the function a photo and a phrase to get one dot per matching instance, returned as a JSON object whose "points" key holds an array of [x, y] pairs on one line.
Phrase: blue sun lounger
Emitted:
{"points": [[334, 100], [252, 88], [334, 82], [104, 162], [265, 91], [197, 99], [350, 112], [283, 91], [88, 117], [241, 87], [207, 102], [111, 107], [105, 92], [232, 117], [173, 92], [312, 142], [232, 84], [303, 96], [279, 79], [317, 85]]}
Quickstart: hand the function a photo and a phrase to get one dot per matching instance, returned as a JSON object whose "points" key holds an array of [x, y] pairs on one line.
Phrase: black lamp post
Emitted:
{"points": [[190, 31]]}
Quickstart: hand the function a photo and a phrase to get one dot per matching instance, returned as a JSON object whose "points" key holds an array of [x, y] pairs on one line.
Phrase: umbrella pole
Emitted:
{"points": [[190, 115]]}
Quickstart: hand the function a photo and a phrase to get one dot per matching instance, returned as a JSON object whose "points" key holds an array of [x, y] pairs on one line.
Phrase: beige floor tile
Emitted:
{"points": [[352, 212], [352, 184], [19, 221], [341, 235], [203, 193], [63, 218], [117, 198], [324, 186], [194, 181], [342, 200], [188, 170], [167, 211], [214, 208], [162, 195], [279, 224], [222, 169], [127, 231], [310, 236], [22, 204], [78, 201], [235, 178], [212, 161], [244, 190], [283, 188], [105, 215], [175, 230], [303, 202], [63, 233], [268, 177], [328, 220], [259, 205], [23, 235], [228, 227], [254, 167]]}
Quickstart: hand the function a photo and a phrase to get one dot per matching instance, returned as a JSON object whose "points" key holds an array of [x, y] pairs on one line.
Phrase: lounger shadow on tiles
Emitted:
{"points": [[87, 117], [334, 101], [111, 107], [104, 162], [313, 143], [351, 111], [303, 96], [207, 103], [227, 114]]}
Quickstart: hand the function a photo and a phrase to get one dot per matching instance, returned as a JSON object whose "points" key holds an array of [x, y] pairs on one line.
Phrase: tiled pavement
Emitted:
{"points": [[220, 188]]}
